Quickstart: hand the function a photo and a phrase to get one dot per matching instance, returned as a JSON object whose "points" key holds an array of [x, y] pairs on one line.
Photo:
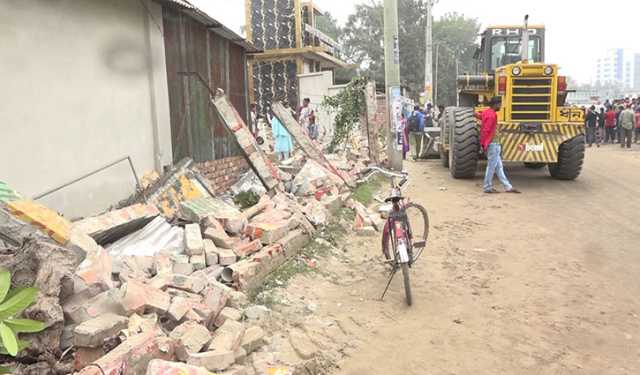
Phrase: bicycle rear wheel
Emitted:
{"points": [[407, 283], [418, 227]]}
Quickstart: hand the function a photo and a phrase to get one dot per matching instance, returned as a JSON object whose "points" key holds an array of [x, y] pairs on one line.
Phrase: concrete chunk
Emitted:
{"points": [[227, 337], [191, 338], [226, 257], [253, 339], [212, 360], [139, 297], [160, 367], [227, 313], [183, 268], [198, 261], [193, 240], [210, 253], [92, 333]]}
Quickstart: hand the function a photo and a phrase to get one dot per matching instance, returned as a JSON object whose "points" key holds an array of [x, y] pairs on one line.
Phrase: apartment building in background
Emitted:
{"points": [[619, 66]]}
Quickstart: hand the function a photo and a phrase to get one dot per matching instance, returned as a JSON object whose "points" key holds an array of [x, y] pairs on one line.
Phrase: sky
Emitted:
{"points": [[577, 33]]}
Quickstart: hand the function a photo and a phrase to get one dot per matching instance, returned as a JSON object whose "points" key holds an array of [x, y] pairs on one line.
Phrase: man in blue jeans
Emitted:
{"points": [[490, 143]]}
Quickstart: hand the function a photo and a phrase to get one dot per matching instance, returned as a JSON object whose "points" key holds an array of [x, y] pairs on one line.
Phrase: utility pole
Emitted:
{"points": [[428, 61], [392, 82]]}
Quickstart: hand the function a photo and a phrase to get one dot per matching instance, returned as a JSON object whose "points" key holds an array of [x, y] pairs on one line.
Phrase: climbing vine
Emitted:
{"points": [[348, 105]]}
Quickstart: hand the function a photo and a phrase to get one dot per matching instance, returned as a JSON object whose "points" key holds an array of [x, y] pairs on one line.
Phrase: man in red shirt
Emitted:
{"points": [[610, 125], [490, 143]]}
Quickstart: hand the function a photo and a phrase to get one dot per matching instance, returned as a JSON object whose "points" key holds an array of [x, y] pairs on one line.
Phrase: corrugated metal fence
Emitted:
{"points": [[196, 130]]}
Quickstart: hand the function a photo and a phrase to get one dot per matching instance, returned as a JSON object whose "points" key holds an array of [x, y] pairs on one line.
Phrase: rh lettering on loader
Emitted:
{"points": [[511, 32]]}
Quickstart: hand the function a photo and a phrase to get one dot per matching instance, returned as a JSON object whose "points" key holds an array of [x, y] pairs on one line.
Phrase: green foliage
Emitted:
{"points": [[246, 199], [363, 45], [364, 192], [348, 105], [328, 25], [12, 303], [456, 36]]}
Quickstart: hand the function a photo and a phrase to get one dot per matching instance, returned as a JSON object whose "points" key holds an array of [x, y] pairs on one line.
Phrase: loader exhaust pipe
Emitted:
{"points": [[525, 40]]}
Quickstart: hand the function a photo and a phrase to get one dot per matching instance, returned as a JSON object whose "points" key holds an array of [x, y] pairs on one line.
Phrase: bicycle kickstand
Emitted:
{"points": [[393, 273]]}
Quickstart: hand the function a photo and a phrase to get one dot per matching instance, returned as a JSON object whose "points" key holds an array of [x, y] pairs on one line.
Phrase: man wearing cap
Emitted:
{"points": [[490, 143]]}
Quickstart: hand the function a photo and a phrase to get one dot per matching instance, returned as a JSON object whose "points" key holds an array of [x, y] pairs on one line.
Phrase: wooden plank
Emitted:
{"points": [[230, 117], [304, 141]]}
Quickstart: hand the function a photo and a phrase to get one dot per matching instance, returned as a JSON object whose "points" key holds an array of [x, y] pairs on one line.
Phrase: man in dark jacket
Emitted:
{"points": [[592, 123]]}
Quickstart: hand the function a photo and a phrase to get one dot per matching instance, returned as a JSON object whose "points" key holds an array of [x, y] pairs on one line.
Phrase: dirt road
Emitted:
{"points": [[547, 282]]}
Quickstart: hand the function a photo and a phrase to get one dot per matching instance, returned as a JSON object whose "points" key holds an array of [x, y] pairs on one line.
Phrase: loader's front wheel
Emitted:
{"points": [[570, 160], [464, 143]]}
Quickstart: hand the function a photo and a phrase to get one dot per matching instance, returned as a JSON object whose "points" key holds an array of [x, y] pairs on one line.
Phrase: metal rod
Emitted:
{"points": [[39, 196]]}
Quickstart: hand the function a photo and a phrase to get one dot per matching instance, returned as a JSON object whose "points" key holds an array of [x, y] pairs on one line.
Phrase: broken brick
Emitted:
{"points": [[138, 297], [253, 339], [193, 240], [94, 332], [227, 337], [212, 360], [248, 248], [191, 337], [133, 355], [227, 313]]}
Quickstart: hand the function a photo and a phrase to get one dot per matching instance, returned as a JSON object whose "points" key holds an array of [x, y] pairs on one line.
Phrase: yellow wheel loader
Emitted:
{"points": [[534, 125]]}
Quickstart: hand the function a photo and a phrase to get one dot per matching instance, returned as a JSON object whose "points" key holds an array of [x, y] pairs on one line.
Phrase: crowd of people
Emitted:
{"points": [[617, 121]]}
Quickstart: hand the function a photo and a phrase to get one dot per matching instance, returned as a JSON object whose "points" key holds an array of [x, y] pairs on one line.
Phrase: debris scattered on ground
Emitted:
{"points": [[160, 284]]}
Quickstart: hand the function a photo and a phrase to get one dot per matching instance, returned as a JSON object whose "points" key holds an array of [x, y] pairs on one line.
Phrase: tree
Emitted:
{"points": [[328, 25], [455, 38], [363, 35]]}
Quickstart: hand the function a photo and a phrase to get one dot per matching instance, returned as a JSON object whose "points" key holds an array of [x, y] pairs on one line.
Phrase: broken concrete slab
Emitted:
{"points": [[93, 333], [263, 167], [227, 337], [210, 253], [253, 339], [79, 309], [227, 313], [84, 356], [113, 225], [191, 337]]}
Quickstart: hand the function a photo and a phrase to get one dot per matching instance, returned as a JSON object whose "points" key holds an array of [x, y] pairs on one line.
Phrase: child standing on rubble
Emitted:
{"points": [[281, 137]]}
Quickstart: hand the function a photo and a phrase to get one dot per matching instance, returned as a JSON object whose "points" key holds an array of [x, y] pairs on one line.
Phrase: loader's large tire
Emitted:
{"points": [[447, 120], [570, 159], [464, 144]]}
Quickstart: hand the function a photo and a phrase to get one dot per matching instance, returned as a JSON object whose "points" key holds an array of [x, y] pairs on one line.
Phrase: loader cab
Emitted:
{"points": [[501, 45]]}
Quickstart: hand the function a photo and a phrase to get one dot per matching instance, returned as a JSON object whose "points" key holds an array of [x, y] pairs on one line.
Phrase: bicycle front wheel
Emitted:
{"points": [[418, 227], [407, 283]]}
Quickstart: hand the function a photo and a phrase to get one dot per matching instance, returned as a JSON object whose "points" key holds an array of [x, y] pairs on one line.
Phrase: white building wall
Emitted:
{"points": [[83, 84], [316, 86]]}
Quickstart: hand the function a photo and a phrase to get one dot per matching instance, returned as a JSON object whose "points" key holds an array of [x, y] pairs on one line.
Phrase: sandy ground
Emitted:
{"points": [[547, 282]]}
